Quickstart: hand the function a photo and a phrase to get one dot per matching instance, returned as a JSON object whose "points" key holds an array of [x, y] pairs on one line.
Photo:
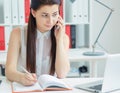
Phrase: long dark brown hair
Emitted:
{"points": [[32, 34]]}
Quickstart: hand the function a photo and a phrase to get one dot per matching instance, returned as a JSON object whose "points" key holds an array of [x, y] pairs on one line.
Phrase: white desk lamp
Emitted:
{"points": [[93, 52]]}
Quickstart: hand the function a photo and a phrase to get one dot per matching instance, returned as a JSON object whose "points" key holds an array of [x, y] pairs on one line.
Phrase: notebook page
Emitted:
{"points": [[17, 87], [47, 80]]}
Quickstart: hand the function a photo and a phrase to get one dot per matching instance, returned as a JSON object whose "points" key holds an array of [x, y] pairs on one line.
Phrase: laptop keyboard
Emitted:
{"points": [[96, 87]]}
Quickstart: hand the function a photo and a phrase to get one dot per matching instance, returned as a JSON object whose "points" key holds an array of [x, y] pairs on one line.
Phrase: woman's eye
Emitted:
{"points": [[54, 15], [45, 15]]}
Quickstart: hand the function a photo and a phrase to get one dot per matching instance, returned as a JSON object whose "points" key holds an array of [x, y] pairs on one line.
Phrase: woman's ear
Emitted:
{"points": [[33, 12]]}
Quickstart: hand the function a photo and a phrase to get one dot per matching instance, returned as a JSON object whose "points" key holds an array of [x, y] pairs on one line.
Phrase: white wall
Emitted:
{"points": [[110, 38]]}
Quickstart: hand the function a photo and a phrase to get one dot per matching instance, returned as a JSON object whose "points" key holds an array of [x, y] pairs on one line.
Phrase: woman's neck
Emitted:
{"points": [[42, 31]]}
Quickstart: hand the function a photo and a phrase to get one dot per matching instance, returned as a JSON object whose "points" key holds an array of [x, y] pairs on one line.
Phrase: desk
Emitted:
{"points": [[5, 87], [73, 54], [76, 55]]}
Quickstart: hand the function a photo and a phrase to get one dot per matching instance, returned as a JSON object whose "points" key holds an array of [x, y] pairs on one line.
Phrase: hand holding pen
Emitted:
{"points": [[28, 78]]}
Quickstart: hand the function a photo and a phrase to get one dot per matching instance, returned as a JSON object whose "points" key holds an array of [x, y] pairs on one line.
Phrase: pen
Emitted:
{"points": [[25, 70]]}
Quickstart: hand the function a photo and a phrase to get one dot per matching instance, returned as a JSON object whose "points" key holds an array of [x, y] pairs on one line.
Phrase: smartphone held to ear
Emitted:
{"points": [[57, 27]]}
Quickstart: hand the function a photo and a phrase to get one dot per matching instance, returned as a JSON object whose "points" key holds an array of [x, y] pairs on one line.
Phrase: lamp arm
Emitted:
{"points": [[104, 5], [111, 10], [93, 53], [102, 29]]}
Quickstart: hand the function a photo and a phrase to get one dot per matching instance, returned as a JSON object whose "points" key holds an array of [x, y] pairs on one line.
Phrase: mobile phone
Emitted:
{"points": [[57, 27]]}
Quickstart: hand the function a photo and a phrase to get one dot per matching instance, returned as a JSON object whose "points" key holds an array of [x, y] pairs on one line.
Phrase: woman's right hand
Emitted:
{"points": [[28, 79]]}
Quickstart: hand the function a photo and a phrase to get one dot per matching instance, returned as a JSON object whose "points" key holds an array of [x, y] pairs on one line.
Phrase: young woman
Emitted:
{"points": [[40, 47]]}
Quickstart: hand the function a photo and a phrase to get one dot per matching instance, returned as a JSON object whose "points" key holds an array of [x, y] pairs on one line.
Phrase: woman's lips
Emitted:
{"points": [[49, 26]]}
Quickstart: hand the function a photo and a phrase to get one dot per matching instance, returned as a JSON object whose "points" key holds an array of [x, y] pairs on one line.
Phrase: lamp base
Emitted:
{"points": [[93, 53]]}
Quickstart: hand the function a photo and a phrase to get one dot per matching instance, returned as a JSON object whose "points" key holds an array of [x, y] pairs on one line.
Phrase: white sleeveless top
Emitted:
{"points": [[43, 47]]}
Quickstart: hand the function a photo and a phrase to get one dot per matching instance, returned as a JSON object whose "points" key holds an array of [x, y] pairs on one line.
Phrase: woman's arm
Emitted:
{"points": [[12, 58], [62, 65]]}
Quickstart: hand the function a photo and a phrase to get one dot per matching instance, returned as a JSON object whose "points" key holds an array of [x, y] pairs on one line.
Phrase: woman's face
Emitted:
{"points": [[46, 17]]}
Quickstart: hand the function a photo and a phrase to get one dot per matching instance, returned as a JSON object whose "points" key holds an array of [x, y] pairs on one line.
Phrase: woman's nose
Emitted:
{"points": [[50, 20]]}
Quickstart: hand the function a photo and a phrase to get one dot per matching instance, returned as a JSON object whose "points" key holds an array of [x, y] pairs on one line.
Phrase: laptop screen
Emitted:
{"points": [[112, 76], [111, 80]]}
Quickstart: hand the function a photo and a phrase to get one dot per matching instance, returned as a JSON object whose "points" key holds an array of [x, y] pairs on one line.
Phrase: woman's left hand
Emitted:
{"points": [[60, 29]]}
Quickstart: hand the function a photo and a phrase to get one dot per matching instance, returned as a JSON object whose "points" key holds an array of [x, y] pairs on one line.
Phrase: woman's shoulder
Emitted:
{"points": [[14, 37], [17, 35], [16, 32]]}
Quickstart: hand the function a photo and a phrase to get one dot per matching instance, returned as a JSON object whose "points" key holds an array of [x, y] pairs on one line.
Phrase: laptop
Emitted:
{"points": [[111, 81]]}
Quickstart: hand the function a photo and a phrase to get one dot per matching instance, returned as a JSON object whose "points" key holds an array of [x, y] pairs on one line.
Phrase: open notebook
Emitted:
{"points": [[111, 80], [45, 83]]}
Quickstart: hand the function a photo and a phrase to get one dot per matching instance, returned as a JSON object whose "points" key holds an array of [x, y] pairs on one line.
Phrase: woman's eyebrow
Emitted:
{"points": [[48, 13], [55, 12], [44, 13]]}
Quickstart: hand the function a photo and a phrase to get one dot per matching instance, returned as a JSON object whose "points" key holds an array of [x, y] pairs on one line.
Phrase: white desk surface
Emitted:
{"points": [[5, 86], [77, 55], [73, 54]]}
